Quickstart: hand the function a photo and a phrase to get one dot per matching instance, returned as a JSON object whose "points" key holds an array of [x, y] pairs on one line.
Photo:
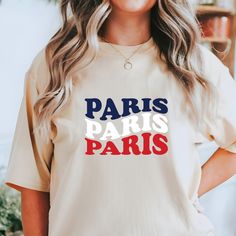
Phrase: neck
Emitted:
{"points": [[127, 29]]}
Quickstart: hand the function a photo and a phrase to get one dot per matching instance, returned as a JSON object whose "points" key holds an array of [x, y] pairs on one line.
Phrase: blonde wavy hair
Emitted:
{"points": [[173, 27]]}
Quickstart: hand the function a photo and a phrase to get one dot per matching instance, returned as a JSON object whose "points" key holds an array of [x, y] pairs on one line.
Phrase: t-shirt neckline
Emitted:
{"points": [[110, 47]]}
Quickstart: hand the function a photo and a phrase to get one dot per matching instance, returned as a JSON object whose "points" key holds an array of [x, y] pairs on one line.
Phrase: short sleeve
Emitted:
{"points": [[223, 131], [30, 158]]}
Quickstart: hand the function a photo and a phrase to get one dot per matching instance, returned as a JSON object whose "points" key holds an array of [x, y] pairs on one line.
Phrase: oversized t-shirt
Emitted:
{"points": [[121, 159]]}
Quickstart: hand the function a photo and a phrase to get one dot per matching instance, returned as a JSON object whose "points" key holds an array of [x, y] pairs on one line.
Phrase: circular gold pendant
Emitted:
{"points": [[128, 65]]}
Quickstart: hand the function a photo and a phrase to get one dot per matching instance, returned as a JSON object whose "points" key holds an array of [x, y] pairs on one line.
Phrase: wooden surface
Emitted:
{"points": [[214, 10], [216, 40]]}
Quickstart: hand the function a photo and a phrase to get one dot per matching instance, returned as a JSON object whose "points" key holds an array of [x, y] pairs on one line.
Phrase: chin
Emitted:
{"points": [[133, 6]]}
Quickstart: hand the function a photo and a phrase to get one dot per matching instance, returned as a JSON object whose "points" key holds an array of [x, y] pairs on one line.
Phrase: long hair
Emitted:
{"points": [[173, 27]]}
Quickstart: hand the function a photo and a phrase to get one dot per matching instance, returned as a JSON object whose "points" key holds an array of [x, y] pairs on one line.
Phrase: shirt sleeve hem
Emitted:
{"points": [[231, 148], [17, 185]]}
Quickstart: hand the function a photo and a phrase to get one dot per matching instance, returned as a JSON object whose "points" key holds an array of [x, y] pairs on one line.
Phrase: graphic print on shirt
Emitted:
{"points": [[143, 121]]}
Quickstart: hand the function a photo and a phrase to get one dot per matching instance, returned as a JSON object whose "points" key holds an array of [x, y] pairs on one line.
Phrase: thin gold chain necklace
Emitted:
{"points": [[128, 65]]}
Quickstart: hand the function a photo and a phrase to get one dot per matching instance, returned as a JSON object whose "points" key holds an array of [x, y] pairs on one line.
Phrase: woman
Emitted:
{"points": [[104, 143]]}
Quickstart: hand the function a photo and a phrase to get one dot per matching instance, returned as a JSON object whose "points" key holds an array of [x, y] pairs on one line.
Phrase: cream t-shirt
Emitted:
{"points": [[121, 160]]}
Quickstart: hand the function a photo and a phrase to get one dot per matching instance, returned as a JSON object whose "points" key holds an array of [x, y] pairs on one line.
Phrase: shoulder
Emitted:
{"points": [[39, 71], [208, 56], [212, 67]]}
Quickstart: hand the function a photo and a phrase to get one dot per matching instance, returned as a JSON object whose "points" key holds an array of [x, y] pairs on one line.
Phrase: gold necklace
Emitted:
{"points": [[128, 65]]}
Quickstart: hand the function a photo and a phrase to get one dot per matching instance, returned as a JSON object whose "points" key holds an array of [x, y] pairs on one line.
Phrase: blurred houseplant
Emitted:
{"points": [[10, 216]]}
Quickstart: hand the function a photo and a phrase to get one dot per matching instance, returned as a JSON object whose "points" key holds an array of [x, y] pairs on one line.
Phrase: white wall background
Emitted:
{"points": [[25, 28]]}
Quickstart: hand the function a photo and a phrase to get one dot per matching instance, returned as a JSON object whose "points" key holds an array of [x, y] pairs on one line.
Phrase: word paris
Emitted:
{"points": [[138, 129]]}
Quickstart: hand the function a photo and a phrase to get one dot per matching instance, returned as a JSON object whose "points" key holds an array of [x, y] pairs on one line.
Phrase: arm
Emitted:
{"points": [[219, 168], [34, 208]]}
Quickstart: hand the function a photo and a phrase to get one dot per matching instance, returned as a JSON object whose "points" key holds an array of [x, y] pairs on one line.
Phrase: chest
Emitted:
{"points": [[121, 112]]}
